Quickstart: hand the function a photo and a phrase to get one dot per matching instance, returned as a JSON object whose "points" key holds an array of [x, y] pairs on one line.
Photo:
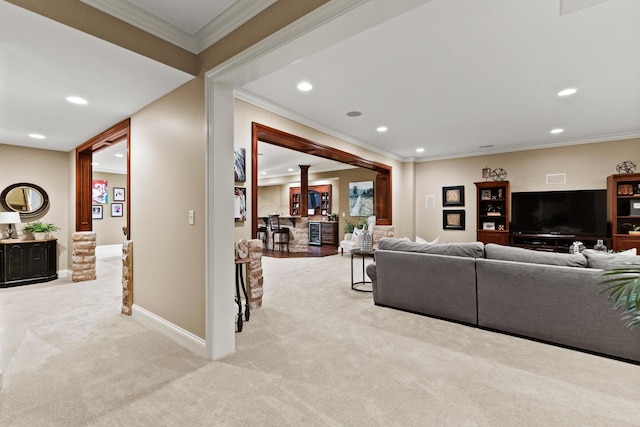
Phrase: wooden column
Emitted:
{"points": [[304, 190]]}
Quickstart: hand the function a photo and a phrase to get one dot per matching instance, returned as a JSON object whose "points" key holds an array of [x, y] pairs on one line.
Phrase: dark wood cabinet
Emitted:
{"points": [[623, 208], [492, 212], [23, 262], [321, 199], [329, 233]]}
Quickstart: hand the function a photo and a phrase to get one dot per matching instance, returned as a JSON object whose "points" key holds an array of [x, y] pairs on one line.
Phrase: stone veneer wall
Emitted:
{"points": [[380, 231], [127, 277], [298, 235], [254, 274], [84, 256]]}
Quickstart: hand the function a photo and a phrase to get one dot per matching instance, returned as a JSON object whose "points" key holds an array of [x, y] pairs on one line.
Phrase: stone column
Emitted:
{"points": [[254, 274], [127, 277], [84, 256]]}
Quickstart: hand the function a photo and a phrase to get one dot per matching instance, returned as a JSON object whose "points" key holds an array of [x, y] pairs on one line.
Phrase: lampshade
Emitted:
{"points": [[10, 218]]}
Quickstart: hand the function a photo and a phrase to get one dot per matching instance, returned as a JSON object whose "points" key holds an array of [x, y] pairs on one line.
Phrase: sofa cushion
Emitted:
{"points": [[468, 249], [510, 253], [434, 241], [597, 259]]}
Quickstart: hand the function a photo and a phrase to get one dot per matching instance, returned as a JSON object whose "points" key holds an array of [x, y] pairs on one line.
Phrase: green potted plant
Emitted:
{"points": [[39, 230], [624, 288], [348, 228], [634, 229]]}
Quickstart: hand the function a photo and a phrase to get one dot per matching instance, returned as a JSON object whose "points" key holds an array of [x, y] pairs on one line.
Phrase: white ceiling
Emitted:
{"points": [[450, 76]]}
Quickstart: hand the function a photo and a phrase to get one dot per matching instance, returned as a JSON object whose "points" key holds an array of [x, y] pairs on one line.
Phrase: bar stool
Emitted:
{"points": [[262, 235], [281, 232]]}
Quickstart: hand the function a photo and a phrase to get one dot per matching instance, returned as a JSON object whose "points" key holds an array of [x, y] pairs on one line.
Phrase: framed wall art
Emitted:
{"points": [[96, 212], [453, 196], [453, 219], [100, 191], [240, 204], [239, 164], [116, 209], [118, 194], [361, 198]]}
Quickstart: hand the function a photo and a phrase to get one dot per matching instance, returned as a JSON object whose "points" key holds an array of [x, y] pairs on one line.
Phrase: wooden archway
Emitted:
{"points": [[277, 137]]}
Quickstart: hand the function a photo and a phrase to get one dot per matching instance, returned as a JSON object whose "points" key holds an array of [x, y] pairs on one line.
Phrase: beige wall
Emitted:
{"points": [[168, 180], [586, 167], [49, 170], [246, 113], [109, 228]]}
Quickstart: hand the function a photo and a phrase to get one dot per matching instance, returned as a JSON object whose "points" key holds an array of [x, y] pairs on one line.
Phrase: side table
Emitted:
{"points": [[359, 285]]}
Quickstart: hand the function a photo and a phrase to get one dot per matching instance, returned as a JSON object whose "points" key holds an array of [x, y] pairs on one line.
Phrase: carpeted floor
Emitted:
{"points": [[316, 354]]}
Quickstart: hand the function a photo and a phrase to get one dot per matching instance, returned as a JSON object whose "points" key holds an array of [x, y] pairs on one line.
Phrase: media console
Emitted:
{"points": [[553, 242]]}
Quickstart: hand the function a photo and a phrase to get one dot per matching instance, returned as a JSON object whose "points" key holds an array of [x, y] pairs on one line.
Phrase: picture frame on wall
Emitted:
{"points": [[116, 209], [453, 219], [361, 202], [239, 164], [118, 194], [96, 212], [240, 204], [453, 196]]}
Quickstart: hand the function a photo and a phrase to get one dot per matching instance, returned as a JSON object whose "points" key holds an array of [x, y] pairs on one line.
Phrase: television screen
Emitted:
{"points": [[313, 199], [579, 212]]}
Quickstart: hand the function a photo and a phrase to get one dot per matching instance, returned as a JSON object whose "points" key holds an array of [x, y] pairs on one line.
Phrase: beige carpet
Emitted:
{"points": [[316, 354]]}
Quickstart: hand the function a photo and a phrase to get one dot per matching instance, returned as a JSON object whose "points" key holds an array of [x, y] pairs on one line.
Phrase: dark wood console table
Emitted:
{"points": [[553, 242], [23, 262]]}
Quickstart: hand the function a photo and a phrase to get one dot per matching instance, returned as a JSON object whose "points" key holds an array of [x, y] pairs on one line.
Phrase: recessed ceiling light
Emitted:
{"points": [[420, 150], [354, 114], [557, 131], [290, 169], [486, 146], [76, 100], [263, 173], [382, 128], [95, 164], [567, 92], [119, 155], [36, 136], [305, 86]]}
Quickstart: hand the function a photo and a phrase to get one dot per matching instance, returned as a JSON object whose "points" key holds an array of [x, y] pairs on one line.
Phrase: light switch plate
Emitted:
{"points": [[192, 217]]}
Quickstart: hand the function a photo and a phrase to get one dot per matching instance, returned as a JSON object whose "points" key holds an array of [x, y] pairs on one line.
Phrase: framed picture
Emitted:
{"points": [[96, 212], [118, 194], [453, 196], [361, 198], [488, 225], [453, 219], [486, 173], [240, 204], [485, 194], [116, 209], [100, 191], [239, 164]]}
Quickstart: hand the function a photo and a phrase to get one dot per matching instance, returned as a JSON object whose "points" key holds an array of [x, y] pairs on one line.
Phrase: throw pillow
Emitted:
{"points": [[597, 259], [357, 236], [433, 242]]}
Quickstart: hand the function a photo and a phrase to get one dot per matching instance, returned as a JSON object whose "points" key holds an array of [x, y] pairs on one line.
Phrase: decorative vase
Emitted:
{"points": [[599, 246], [366, 240], [41, 236]]}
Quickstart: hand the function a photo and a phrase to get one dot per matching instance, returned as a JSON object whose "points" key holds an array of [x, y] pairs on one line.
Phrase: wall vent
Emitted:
{"points": [[556, 178]]}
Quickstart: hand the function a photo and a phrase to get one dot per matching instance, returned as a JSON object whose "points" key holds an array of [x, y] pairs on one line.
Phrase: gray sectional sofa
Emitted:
{"points": [[551, 297]]}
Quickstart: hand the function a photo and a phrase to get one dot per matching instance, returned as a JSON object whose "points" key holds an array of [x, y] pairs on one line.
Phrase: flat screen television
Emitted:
{"points": [[313, 199], [578, 212]]}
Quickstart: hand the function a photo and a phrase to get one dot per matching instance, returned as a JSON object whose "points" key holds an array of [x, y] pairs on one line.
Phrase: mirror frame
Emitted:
{"points": [[25, 215]]}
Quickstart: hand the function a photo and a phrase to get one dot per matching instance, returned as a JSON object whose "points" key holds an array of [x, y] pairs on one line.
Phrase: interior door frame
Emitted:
{"points": [[84, 173], [263, 133]]}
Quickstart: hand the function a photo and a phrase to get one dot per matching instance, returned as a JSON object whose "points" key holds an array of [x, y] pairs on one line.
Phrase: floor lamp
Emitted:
{"points": [[10, 218]]}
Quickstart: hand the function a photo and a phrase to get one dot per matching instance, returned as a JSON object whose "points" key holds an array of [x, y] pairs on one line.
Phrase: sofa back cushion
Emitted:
{"points": [[510, 253], [597, 259], [467, 249]]}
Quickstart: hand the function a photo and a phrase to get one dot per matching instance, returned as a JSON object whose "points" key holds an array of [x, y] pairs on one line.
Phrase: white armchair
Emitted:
{"points": [[351, 240]]}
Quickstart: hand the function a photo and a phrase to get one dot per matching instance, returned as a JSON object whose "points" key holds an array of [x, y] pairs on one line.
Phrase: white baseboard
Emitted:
{"points": [[64, 273], [108, 251], [185, 338]]}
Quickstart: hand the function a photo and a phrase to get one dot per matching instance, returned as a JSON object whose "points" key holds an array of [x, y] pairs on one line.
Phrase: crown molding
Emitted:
{"points": [[237, 14]]}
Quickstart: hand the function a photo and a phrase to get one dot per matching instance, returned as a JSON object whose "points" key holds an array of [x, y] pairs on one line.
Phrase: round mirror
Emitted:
{"points": [[28, 200]]}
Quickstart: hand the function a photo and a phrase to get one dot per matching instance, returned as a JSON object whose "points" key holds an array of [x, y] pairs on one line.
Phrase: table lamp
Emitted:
{"points": [[10, 218]]}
